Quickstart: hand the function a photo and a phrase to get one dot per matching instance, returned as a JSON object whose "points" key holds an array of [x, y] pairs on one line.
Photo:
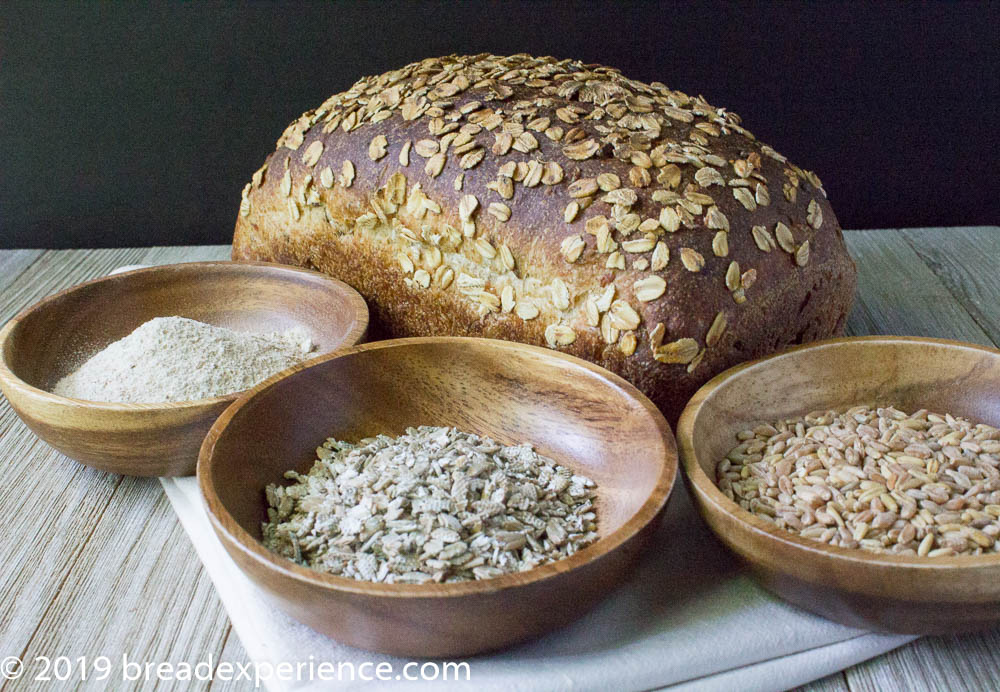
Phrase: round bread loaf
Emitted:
{"points": [[555, 203]]}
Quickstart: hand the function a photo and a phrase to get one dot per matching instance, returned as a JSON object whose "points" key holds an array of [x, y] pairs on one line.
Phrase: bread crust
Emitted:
{"points": [[395, 232]]}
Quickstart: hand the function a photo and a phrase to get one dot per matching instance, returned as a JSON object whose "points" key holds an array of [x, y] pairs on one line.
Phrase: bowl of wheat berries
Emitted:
{"points": [[438, 496], [859, 478]]}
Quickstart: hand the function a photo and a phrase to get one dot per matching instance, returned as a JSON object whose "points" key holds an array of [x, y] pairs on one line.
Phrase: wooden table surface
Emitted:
{"points": [[98, 564]]}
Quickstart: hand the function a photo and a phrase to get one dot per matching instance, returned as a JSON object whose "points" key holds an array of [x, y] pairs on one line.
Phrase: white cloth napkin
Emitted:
{"points": [[688, 619]]}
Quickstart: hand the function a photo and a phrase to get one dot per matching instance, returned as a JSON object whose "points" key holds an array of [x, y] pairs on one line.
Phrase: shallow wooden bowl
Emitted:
{"points": [[53, 337], [577, 413], [862, 589]]}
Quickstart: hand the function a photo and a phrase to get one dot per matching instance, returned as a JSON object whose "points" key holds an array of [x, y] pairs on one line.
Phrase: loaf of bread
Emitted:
{"points": [[555, 203]]}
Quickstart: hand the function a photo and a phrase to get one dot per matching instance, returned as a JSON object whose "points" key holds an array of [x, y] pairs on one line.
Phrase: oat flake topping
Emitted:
{"points": [[433, 505]]}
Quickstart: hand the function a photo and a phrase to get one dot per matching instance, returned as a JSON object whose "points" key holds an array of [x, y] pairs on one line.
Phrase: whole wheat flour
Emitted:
{"points": [[178, 359]]}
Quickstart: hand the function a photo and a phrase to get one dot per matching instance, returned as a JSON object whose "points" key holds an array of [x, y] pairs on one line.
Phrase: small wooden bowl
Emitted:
{"points": [[53, 337], [877, 592], [577, 413]]}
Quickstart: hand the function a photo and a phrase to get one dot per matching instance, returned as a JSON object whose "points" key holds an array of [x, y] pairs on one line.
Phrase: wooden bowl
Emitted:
{"points": [[891, 593], [582, 416], [53, 337]]}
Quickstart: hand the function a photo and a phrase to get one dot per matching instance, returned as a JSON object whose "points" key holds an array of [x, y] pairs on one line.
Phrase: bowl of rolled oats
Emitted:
{"points": [[438, 496], [859, 478]]}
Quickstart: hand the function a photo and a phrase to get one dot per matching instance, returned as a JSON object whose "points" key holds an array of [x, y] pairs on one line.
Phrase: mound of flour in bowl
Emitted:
{"points": [[177, 359]]}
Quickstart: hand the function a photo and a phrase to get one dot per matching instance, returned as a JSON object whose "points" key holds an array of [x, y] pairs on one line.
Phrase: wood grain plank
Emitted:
{"points": [[57, 501], [14, 262], [934, 282], [59, 269], [94, 538], [956, 663], [190, 253], [831, 683], [899, 294], [234, 653], [137, 589], [967, 261]]}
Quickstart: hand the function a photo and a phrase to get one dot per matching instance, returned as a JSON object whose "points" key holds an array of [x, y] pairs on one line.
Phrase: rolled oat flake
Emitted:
{"points": [[179, 359]]}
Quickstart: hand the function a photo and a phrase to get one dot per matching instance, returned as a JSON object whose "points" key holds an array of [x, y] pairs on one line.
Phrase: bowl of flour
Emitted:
{"points": [[126, 373]]}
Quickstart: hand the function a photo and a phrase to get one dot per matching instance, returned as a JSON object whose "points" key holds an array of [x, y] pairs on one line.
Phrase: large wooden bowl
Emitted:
{"points": [[577, 413], [879, 592], [53, 337]]}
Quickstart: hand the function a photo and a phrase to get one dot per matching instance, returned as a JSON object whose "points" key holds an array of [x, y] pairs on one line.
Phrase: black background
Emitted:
{"points": [[139, 124]]}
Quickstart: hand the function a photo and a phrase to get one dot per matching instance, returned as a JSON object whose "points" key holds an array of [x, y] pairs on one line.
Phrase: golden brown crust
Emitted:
{"points": [[681, 201]]}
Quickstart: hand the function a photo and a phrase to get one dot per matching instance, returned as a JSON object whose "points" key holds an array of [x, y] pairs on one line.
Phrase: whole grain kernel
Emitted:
{"points": [[875, 479], [784, 236], [472, 158], [584, 187], [571, 211], [312, 153], [499, 211], [814, 214], [639, 244], [717, 329], [435, 165], [681, 351], [623, 315], [744, 197], [628, 343], [609, 332], [559, 335], [616, 260], [715, 219], [326, 177], [761, 195], [506, 257], [552, 173], [405, 262], [422, 278], [603, 301], [559, 293], [572, 247], [656, 336], [709, 176], [526, 310], [660, 257], [427, 147], [763, 238], [485, 249], [608, 182], [670, 220], [692, 260], [346, 174], [446, 277], [404, 153], [733, 276], [378, 148], [507, 300], [582, 150], [467, 206], [720, 244], [534, 175], [696, 361], [802, 254], [649, 288]]}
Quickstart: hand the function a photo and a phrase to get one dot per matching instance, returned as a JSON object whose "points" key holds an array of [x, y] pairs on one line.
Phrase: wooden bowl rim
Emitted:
{"points": [[253, 549], [350, 296], [706, 488]]}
